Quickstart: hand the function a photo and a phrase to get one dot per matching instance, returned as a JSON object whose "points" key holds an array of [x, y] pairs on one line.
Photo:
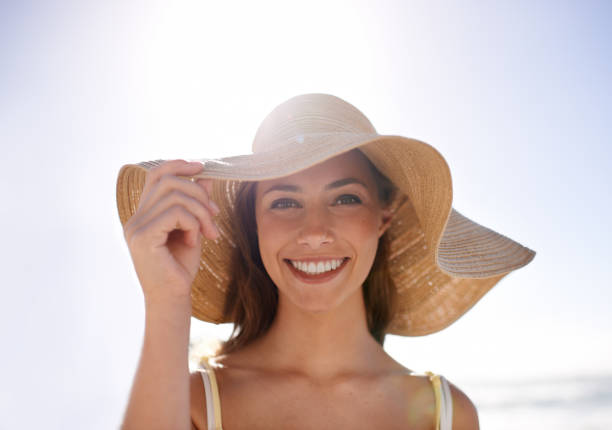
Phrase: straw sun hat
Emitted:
{"points": [[442, 263]]}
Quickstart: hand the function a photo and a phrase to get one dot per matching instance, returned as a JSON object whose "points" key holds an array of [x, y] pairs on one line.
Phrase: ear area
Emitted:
{"points": [[386, 218]]}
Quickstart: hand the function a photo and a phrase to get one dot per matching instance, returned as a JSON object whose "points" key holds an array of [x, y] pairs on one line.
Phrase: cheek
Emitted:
{"points": [[263, 236], [365, 233], [365, 228], [270, 236]]}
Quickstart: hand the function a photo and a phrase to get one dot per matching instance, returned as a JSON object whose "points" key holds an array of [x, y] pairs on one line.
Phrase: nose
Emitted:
{"points": [[315, 230]]}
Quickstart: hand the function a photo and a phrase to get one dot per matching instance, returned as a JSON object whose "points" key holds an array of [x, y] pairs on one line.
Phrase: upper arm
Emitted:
{"points": [[197, 402], [465, 416]]}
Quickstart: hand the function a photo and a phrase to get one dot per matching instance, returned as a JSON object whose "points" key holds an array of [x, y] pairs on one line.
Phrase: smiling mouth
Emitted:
{"points": [[321, 270]]}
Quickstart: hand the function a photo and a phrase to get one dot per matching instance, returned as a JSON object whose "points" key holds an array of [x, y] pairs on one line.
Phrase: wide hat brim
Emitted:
{"points": [[442, 263]]}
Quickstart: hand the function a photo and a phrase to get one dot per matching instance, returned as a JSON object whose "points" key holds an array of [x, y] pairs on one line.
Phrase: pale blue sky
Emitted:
{"points": [[515, 95]]}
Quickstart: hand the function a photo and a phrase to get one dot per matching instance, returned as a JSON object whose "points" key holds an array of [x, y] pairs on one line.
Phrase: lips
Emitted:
{"points": [[314, 267], [318, 277]]}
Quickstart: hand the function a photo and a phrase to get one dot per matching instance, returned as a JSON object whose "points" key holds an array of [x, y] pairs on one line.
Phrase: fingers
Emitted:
{"points": [[207, 184], [176, 198], [165, 195], [169, 183], [155, 231], [173, 167]]}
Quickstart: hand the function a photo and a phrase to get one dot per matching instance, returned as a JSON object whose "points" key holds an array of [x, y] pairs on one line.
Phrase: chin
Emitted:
{"points": [[317, 302]]}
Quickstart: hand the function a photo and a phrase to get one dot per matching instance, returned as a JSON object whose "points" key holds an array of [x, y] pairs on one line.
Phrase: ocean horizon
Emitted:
{"points": [[579, 402]]}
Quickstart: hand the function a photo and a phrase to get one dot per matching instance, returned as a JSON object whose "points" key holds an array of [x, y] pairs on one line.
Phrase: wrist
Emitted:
{"points": [[170, 309], [167, 301]]}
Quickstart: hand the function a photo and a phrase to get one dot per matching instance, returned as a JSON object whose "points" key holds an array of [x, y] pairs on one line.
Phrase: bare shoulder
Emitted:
{"points": [[465, 416], [197, 402], [418, 398]]}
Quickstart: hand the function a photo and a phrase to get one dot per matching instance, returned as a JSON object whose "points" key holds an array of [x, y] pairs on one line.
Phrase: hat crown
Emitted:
{"points": [[309, 114]]}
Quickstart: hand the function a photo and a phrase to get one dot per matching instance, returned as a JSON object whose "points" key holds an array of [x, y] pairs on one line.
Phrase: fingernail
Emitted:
{"points": [[214, 207]]}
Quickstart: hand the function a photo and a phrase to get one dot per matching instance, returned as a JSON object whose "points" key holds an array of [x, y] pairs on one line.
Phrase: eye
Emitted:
{"points": [[284, 204], [348, 199]]}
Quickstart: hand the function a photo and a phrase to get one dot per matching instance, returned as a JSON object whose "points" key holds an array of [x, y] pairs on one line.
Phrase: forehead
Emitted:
{"points": [[352, 164]]}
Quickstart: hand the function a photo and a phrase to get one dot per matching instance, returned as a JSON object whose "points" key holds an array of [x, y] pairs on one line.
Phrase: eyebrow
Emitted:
{"points": [[336, 184]]}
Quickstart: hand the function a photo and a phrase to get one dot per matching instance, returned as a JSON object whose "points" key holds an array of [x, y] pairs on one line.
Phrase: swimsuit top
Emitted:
{"points": [[444, 401]]}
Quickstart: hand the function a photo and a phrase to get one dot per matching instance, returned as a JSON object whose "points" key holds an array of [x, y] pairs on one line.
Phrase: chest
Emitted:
{"points": [[295, 404]]}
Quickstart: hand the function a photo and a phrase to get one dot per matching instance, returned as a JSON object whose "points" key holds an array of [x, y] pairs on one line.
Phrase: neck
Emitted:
{"points": [[320, 345]]}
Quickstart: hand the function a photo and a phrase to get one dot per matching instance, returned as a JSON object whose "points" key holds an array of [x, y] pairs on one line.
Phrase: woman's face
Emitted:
{"points": [[318, 230]]}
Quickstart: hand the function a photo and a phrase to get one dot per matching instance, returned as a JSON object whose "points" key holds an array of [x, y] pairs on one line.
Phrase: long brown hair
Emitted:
{"points": [[252, 297]]}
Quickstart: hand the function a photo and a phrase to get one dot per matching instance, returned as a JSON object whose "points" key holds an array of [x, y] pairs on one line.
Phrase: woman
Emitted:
{"points": [[324, 239]]}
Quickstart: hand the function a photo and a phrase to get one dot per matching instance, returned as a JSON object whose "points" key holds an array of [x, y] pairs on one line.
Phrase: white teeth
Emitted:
{"points": [[316, 268]]}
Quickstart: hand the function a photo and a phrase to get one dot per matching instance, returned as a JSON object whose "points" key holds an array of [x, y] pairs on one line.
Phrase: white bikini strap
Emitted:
{"points": [[213, 407], [446, 410]]}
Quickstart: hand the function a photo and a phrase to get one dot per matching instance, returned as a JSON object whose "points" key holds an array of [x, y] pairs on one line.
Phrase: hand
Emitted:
{"points": [[164, 235]]}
